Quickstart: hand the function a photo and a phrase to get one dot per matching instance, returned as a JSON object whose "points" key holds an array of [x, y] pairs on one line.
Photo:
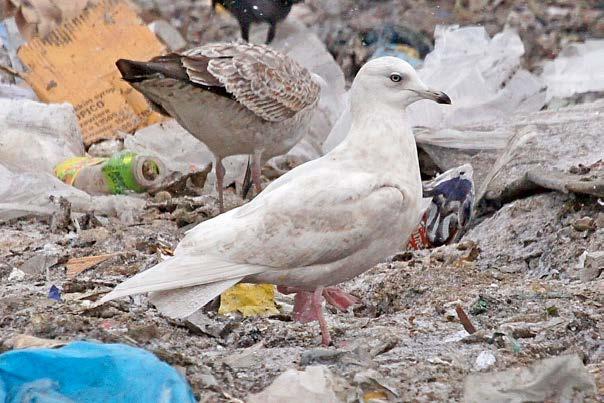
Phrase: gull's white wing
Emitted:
{"points": [[315, 218], [314, 215]]}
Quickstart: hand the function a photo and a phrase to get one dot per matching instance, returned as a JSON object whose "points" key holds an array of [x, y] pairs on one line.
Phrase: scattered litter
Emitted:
{"points": [[560, 379], [181, 152], [398, 41], [592, 265], [590, 183], [452, 205], [16, 275], [10, 41], [314, 384], [37, 136], [250, 356], [180, 184], [54, 293], [249, 300], [71, 373], [372, 388], [76, 64], [168, 35], [40, 263], [105, 148], [77, 265], [513, 240], [541, 140], [200, 324], [479, 307], [39, 18], [485, 360], [26, 341], [29, 194], [15, 92], [465, 321], [566, 75], [584, 224], [124, 171]]}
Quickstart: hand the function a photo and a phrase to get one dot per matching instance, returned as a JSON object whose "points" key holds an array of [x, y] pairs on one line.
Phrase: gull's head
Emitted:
{"points": [[392, 80]]}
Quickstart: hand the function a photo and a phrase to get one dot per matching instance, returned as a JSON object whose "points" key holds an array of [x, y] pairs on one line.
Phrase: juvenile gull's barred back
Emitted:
{"points": [[268, 83]]}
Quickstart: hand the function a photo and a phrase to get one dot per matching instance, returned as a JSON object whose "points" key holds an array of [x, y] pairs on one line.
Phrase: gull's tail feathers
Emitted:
{"points": [[183, 302], [182, 272]]}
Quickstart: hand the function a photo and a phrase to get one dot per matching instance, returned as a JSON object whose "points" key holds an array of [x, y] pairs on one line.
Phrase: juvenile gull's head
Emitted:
{"points": [[393, 81]]}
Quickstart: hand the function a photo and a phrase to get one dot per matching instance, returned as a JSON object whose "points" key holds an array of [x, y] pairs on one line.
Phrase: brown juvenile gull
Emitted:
{"points": [[318, 225], [237, 98]]}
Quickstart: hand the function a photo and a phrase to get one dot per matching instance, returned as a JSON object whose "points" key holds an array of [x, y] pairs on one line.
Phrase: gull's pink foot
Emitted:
{"points": [[308, 306], [339, 299]]}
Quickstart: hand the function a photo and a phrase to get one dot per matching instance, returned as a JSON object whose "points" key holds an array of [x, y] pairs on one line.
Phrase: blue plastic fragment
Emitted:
{"points": [[89, 373], [54, 293]]}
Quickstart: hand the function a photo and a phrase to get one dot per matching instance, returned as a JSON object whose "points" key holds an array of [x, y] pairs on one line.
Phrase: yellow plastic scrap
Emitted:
{"points": [[249, 300]]}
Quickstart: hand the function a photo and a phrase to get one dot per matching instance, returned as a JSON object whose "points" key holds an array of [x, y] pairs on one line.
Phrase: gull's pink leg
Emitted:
{"points": [[257, 171], [304, 311], [339, 298], [308, 307], [220, 182], [317, 299], [334, 296]]}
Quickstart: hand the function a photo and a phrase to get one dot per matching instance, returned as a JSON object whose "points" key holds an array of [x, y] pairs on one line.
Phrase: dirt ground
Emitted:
{"points": [[406, 328], [517, 274]]}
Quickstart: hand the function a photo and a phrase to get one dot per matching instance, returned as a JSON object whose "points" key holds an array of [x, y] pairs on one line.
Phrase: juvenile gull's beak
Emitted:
{"points": [[438, 96]]}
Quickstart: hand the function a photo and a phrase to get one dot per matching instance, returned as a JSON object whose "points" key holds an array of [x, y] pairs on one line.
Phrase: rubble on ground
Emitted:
{"points": [[519, 295]]}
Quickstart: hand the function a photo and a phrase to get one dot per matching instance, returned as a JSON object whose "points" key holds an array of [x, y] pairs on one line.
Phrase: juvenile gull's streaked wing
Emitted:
{"points": [[268, 83]]}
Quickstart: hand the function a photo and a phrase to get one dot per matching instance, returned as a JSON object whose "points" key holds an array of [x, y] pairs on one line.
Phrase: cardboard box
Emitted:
{"points": [[75, 63]]}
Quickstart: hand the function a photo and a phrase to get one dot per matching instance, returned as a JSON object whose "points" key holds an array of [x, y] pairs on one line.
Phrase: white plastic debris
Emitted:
{"points": [[37, 136], [168, 34], [485, 360], [28, 194], [482, 76], [13, 91], [559, 379], [314, 384], [16, 275], [578, 68]]}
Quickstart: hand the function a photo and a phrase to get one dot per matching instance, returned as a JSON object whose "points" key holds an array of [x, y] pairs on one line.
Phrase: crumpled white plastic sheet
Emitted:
{"points": [[578, 68]]}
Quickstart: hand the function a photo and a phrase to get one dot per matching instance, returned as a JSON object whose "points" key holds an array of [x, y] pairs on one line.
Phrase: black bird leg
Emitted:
{"points": [[245, 30], [272, 30]]}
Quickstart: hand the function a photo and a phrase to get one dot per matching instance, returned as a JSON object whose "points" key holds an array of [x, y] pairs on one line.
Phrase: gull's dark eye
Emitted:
{"points": [[395, 77]]}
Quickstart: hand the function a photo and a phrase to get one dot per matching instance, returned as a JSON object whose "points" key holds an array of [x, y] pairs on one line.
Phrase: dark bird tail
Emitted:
{"points": [[166, 66]]}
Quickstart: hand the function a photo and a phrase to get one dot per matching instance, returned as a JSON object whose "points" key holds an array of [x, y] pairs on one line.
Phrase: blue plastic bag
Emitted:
{"points": [[89, 372]]}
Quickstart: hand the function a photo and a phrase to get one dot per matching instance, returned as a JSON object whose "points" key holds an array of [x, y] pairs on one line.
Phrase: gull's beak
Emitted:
{"points": [[438, 96]]}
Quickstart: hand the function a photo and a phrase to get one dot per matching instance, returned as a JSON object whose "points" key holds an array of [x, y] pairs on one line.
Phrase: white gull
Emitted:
{"points": [[320, 224]]}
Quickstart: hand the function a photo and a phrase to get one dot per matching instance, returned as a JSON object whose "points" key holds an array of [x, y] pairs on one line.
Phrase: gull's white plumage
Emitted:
{"points": [[322, 223]]}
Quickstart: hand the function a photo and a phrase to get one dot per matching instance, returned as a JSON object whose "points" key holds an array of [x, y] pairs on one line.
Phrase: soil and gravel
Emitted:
{"points": [[518, 274], [406, 328]]}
